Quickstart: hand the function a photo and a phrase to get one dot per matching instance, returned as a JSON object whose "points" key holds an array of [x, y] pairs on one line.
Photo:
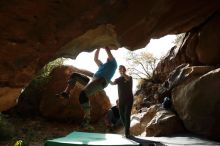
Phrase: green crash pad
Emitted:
{"points": [[95, 139]]}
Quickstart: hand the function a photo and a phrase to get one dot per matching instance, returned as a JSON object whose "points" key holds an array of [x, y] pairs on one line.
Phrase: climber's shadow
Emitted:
{"points": [[143, 142]]}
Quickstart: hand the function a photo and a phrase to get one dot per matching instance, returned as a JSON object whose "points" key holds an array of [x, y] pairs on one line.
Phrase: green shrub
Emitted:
{"points": [[42, 77]]}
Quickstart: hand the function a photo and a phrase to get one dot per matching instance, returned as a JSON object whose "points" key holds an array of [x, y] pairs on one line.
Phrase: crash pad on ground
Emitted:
{"points": [[95, 139]]}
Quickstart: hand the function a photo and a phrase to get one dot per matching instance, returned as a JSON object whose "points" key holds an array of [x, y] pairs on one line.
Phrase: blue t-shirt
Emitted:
{"points": [[107, 70]]}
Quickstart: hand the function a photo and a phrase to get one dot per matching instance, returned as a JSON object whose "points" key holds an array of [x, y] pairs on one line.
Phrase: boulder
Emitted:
{"points": [[164, 123], [69, 109], [156, 121], [197, 101]]}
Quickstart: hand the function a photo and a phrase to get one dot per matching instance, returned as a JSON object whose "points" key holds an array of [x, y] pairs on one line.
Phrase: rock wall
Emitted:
{"points": [[199, 47], [34, 32], [196, 101], [194, 88], [43, 100]]}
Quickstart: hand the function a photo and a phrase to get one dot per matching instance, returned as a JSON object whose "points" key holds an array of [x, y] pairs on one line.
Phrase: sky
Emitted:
{"points": [[85, 60]]}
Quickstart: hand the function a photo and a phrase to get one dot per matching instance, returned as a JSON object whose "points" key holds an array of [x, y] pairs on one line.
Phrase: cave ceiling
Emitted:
{"points": [[34, 32]]}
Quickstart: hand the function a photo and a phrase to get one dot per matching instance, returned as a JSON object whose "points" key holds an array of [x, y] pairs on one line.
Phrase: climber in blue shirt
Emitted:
{"points": [[99, 81]]}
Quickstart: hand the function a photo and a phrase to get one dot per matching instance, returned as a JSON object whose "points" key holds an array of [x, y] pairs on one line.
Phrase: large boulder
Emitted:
{"points": [[140, 120], [164, 123], [69, 109], [39, 98], [197, 101], [156, 121]]}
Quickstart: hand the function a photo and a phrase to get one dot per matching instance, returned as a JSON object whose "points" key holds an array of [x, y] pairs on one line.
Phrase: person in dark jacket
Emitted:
{"points": [[126, 98]]}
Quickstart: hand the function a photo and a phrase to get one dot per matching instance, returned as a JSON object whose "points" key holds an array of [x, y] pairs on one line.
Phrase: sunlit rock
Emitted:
{"points": [[200, 46], [164, 123], [140, 120], [155, 121], [54, 107]]}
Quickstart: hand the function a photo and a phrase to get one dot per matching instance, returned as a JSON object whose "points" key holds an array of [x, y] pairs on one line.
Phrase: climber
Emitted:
{"points": [[125, 94], [99, 81]]}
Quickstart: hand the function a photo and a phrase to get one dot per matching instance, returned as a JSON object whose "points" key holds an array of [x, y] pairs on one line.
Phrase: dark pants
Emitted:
{"points": [[90, 87], [113, 120], [125, 113]]}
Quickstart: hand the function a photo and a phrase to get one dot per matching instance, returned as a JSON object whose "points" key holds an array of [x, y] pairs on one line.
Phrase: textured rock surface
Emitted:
{"points": [[53, 107], [34, 32], [208, 46], [140, 120], [156, 121], [43, 100], [200, 47], [164, 123], [8, 97], [197, 103]]}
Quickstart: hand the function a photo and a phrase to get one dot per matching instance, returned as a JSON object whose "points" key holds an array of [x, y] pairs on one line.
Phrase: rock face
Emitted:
{"points": [[195, 97], [208, 46], [156, 121], [197, 103], [199, 47], [164, 123], [53, 107], [43, 101], [10, 97], [34, 32]]}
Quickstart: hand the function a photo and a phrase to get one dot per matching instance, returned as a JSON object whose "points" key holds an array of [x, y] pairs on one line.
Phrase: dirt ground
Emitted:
{"points": [[36, 131]]}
